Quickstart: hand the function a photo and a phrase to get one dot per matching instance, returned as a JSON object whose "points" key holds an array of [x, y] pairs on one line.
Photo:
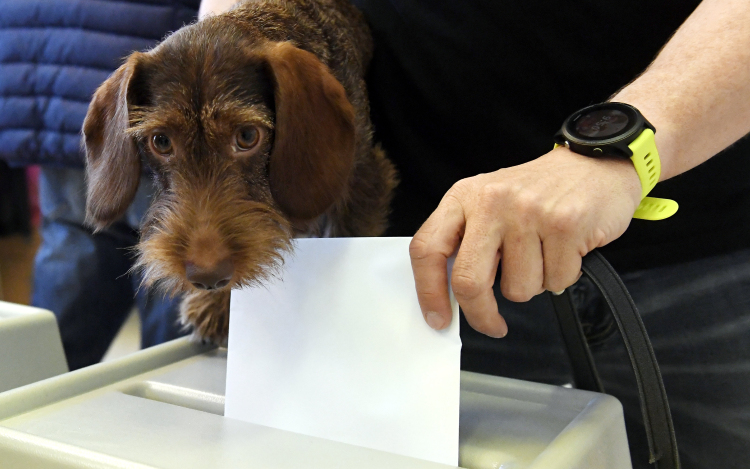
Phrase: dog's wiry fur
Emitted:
{"points": [[291, 68]]}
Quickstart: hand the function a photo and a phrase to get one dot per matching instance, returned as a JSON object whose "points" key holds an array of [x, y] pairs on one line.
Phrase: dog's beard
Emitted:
{"points": [[255, 234]]}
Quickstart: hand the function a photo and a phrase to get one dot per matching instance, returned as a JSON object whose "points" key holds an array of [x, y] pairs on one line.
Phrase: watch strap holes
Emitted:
{"points": [[652, 208]]}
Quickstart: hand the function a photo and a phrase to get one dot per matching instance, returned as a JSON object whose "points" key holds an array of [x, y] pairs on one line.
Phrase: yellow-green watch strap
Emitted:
{"points": [[648, 166]]}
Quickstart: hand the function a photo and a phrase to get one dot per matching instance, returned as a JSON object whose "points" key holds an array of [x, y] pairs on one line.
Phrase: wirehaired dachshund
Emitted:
{"points": [[255, 125]]}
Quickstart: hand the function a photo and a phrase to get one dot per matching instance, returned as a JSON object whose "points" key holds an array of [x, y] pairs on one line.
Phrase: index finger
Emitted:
{"points": [[429, 250]]}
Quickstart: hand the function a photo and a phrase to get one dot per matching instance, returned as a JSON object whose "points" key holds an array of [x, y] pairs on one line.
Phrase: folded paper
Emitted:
{"points": [[336, 347]]}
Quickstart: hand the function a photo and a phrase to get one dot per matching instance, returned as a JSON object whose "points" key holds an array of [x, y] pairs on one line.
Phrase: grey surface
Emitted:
{"points": [[161, 408], [30, 346]]}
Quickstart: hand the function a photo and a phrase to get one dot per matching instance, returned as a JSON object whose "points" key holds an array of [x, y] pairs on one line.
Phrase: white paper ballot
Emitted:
{"points": [[337, 348]]}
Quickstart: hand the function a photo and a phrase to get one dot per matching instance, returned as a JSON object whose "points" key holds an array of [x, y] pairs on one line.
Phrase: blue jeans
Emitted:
{"points": [[698, 317], [83, 277]]}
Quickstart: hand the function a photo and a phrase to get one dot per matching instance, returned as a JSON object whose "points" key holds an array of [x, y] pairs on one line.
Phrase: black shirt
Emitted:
{"points": [[461, 88]]}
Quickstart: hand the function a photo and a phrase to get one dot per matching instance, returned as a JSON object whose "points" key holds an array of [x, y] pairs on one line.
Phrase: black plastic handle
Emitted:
{"points": [[653, 397]]}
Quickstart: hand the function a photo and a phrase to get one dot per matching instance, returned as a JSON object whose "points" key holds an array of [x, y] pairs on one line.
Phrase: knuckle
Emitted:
{"points": [[429, 297], [419, 248], [517, 294], [466, 284], [529, 203], [493, 193], [459, 190], [565, 220]]}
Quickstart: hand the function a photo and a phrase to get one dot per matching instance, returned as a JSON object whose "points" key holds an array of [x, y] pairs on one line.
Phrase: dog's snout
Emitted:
{"points": [[211, 278]]}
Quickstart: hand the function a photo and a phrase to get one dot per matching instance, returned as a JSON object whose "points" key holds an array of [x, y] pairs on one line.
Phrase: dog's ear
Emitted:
{"points": [[113, 165], [313, 150]]}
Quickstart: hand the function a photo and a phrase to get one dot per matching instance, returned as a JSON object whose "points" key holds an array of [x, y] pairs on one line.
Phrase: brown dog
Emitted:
{"points": [[255, 125]]}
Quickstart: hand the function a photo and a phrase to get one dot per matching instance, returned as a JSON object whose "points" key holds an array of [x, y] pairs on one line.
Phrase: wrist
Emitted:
{"points": [[666, 131], [630, 181], [611, 172]]}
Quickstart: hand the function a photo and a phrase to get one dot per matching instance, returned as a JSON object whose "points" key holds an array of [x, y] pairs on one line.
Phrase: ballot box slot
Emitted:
{"points": [[177, 395]]}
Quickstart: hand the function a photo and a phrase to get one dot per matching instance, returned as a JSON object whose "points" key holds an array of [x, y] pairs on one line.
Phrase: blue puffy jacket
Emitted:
{"points": [[54, 54]]}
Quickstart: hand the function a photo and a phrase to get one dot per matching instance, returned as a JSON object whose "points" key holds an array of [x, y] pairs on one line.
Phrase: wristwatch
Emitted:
{"points": [[618, 129]]}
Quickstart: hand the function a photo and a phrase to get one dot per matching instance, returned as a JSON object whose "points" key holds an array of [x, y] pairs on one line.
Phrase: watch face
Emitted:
{"points": [[601, 123]]}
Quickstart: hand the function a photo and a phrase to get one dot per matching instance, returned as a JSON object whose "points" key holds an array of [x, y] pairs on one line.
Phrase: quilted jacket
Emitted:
{"points": [[54, 54]]}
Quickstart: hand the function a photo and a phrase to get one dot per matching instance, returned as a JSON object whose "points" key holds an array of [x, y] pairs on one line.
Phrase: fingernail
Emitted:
{"points": [[434, 320], [499, 335], [558, 293]]}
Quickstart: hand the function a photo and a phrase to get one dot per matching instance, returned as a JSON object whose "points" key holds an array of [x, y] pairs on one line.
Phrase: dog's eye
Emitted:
{"points": [[247, 138], [161, 144]]}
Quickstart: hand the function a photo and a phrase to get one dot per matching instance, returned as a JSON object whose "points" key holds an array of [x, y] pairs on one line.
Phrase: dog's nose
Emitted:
{"points": [[211, 278]]}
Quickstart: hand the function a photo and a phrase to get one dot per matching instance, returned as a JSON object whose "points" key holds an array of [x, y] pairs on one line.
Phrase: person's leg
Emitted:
{"points": [[80, 276], [158, 313], [159, 317], [698, 317]]}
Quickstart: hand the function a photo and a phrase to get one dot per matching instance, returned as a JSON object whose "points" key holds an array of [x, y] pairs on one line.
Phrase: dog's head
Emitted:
{"points": [[244, 136]]}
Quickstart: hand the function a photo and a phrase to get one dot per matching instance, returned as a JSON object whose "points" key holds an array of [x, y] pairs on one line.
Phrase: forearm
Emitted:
{"points": [[214, 7], [697, 91]]}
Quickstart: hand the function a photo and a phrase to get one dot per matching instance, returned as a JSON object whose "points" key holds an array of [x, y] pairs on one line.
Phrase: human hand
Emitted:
{"points": [[539, 218]]}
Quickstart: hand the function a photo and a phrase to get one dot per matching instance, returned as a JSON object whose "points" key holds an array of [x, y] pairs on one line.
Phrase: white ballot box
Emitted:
{"points": [[30, 346], [163, 408]]}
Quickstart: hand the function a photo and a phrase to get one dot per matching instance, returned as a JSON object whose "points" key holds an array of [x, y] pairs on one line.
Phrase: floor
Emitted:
{"points": [[16, 268]]}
